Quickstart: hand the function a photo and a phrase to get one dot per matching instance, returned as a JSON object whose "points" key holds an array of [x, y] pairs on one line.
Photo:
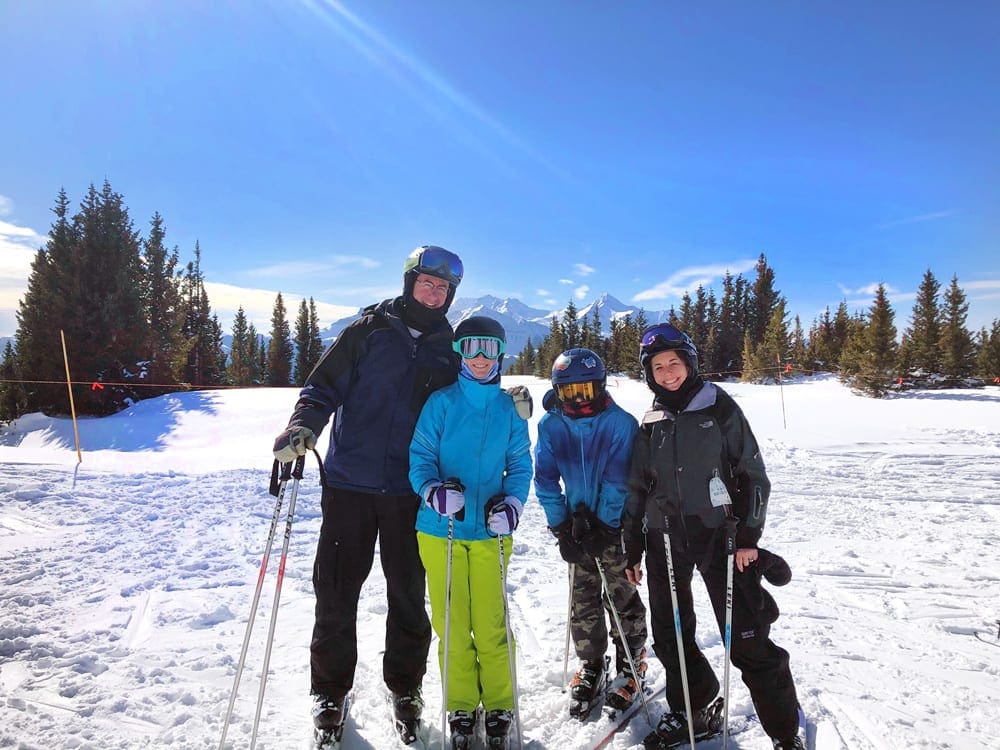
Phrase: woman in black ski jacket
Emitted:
{"points": [[695, 455]]}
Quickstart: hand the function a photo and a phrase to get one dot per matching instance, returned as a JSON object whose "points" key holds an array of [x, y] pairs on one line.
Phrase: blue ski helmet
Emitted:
{"points": [[579, 380]]}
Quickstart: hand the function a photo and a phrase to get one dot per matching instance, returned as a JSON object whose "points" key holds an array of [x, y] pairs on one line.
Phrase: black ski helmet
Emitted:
{"points": [[433, 261], [664, 337], [480, 325]]}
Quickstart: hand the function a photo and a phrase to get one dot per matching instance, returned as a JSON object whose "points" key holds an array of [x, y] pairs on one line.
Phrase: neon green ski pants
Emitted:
{"points": [[478, 666]]}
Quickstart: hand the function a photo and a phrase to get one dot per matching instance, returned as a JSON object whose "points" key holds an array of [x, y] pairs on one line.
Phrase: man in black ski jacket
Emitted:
{"points": [[374, 381]]}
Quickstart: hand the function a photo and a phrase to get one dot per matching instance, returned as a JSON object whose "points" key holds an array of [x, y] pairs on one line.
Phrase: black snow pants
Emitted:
{"points": [[763, 664], [351, 523]]}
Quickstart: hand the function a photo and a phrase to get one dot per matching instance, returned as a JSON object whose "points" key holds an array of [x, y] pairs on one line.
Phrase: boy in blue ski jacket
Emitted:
{"points": [[584, 442], [470, 461]]}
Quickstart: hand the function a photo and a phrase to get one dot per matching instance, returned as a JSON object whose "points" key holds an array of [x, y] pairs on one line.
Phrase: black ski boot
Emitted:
{"points": [[672, 729], [587, 687], [407, 708], [498, 724], [795, 743], [329, 715], [463, 729]]}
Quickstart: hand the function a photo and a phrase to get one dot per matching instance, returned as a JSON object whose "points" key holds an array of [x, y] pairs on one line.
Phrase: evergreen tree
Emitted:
{"points": [[921, 348], [279, 350], [303, 344], [161, 301], [612, 347], [42, 312], [870, 360], [13, 398], [729, 338], [988, 361], [196, 355], [570, 328], [762, 301], [240, 354], [256, 355], [686, 318], [842, 328], [798, 350], [957, 350]]}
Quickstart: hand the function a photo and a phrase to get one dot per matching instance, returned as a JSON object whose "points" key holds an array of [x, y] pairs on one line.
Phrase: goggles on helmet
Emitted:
{"points": [[472, 346], [585, 391], [665, 336], [435, 261]]}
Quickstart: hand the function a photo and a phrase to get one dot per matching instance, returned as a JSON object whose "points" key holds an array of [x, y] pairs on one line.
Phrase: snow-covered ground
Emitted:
{"points": [[125, 583]]}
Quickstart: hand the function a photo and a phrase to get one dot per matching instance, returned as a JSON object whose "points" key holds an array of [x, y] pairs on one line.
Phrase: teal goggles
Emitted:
{"points": [[472, 346]]}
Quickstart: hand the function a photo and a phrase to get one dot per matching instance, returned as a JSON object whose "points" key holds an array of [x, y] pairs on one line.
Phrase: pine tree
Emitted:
{"points": [[240, 356], [921, 350], [160, 291], [871, 362], [303, 344], [842, 328], [279, 350], [196, 356], [13, 399], [957, 350], [819, 352], [988, 360], [570, 328], [798, 350], [761, 302], [732, 314]]}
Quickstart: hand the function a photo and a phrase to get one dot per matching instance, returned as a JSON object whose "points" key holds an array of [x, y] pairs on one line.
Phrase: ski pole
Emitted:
{"points": [[510, 643], [569, 623], [677, 630], [286, 474], [300, 463], [621, 638], [728, 634], [447, 634]]}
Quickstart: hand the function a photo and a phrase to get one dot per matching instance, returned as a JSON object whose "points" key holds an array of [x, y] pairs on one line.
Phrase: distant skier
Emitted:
{"points": [[470, 459], [693, 433], [584, 442], [374, 380]]}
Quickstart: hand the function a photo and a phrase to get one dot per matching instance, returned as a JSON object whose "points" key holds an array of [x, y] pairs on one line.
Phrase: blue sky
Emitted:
{"points": [[562, 149]]}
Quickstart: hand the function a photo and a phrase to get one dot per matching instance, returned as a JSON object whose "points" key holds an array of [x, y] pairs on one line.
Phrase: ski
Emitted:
{"points": [[737, 725], [984, 639], [621, 719]]}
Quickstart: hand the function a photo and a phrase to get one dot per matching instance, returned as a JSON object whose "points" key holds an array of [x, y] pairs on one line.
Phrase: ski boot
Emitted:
{"points": [[463, 729], [672, 729], [795, 743], [586, 688], [329, 715], [624, 689], [407, 709], [498, 724]]}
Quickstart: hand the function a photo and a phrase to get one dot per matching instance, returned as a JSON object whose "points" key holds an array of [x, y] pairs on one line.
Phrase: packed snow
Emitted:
{"points": [[126, 581]]}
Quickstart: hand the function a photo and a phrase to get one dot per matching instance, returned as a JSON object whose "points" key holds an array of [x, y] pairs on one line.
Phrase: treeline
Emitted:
{"points": [[136, 322], [747, 334]]}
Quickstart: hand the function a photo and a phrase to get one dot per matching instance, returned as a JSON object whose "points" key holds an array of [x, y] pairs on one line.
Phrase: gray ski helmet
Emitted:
{"points": [[578, 366], [664, 337]]}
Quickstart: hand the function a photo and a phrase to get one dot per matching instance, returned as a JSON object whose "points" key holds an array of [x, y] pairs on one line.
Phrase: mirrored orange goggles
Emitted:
{"points": [[573, 391]]}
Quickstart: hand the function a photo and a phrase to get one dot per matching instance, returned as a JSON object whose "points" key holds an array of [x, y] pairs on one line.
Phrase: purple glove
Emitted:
{"points": [[448, 499], [502, 514]]}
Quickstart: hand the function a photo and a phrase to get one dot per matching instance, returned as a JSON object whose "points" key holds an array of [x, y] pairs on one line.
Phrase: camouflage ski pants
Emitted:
{"points": [[588, 624]]}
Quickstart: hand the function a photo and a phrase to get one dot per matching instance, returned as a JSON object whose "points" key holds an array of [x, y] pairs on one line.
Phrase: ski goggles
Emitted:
{"points": [[435, 261], [666, 336], [472, 346], [573, 391]]}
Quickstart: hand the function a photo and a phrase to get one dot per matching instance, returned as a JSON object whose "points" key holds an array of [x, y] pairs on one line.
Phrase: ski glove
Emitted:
{"points": [[447, 498], [503, 513], [569, 549], [522, 401], [592, 534], [293, 442]]}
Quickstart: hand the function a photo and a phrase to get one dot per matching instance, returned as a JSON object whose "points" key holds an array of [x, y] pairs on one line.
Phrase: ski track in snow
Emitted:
{"points": [[124, 595]]}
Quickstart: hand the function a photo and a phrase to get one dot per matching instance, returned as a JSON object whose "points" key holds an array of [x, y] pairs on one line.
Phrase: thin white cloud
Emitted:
{"points": [[6, 206], [867, 289], [543, 292], [689, 279], [18, 246], [919, 219], [987, 284], [581, 292], [294, 268], [258, 304], [567, 282], [583, 269]]}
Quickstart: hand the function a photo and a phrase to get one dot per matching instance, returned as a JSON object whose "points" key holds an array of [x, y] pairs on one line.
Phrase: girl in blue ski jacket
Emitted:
{"points": [[470, 461]]}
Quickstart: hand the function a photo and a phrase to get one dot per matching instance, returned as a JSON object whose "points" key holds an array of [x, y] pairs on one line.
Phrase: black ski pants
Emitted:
{"points": [[351, 523], [763, 664]]}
